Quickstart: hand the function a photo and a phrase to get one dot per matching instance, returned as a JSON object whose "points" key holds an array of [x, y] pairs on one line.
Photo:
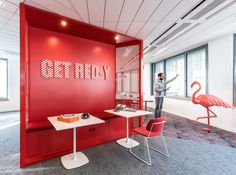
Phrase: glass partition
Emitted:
{"points": [[127, 73]]}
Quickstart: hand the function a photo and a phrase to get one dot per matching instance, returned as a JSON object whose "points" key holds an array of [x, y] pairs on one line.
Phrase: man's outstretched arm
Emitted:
{"points": [[168, 81]]}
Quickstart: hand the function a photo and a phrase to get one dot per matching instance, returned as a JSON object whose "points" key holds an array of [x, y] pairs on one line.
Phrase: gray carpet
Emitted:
{"points": [[186, 157]]}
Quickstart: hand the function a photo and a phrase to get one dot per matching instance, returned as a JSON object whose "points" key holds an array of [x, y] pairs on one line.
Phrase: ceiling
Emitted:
{"points": [[157, 22]]}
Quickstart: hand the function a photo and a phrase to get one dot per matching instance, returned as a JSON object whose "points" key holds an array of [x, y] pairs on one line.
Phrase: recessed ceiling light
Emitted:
{"points": [[63, 23]]}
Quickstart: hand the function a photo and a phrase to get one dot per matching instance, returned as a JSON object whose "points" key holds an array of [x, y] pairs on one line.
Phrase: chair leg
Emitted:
{"points": [[166, 149], [149, 157]]}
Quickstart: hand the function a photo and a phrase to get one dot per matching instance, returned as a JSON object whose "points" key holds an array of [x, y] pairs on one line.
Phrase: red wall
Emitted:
{"points": [[42, 97], [54, 96], [51, 96]]}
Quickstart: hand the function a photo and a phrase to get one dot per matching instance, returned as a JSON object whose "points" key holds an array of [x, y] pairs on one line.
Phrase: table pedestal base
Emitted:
{"points": [[69, 162], [130, 144]]}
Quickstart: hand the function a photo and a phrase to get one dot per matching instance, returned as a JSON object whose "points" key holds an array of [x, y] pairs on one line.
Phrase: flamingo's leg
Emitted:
{"points": [[208, 128], [201, 118], [214, 115], [208, 116]]}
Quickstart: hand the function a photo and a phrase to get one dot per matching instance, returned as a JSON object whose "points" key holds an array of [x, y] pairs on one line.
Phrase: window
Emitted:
{"points": [[156, 68], [191, 66], [175, 66], [159, 67], [196, 70], [126, 82], [3, 79], [234, 74], [134, 81]]}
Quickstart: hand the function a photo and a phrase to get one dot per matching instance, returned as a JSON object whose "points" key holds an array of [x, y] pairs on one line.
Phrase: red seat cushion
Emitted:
{"points": [[143, 131], [38, 126], [103, 115], [155, 129]]}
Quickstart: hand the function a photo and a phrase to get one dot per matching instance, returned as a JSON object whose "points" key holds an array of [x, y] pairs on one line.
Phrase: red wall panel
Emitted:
{"points": [[54, 96], [42, 97]]}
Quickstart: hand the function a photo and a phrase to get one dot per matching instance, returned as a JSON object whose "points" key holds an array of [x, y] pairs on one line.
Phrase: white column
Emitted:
{"points": [[74, 143], [127, 130]]}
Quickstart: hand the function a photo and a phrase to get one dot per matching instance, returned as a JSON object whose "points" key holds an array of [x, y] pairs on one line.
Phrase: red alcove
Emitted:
{"points": [[42, 37]]}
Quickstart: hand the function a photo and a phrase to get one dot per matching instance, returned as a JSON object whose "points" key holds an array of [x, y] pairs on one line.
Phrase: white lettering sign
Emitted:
{"points": [[63, 70]]}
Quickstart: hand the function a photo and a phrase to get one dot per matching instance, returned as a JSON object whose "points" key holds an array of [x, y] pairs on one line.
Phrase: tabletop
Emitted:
{"points": [[59, 126], [128, 114]]}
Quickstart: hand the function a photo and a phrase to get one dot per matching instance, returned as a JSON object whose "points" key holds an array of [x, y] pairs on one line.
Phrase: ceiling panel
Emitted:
{"points": [[135, 27], [3, 20], [182, 9], [110, 25], [81, 8], [56, 8], [13, 23], [16, 2], [36, 5], [11, 29], [164, 9], [5, 13], [9, 37], [163, 26], [14, 42], [145, 19], [65, 3], [144, 13], [15, 18], [219, 25], [178, 11], [113, 10], [69, 4], [130, 8], [96, 12], [175, 11], [10, 33], [97, 23], [6, 42], [158, 16], [146, 29], [123, 26], [147, 9], [8, 6]]}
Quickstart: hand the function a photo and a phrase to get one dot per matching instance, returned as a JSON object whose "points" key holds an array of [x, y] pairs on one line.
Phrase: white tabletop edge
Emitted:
{"points": [[128, 114], [59, 125]]}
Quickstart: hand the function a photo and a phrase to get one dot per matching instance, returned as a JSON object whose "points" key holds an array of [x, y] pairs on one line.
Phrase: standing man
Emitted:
{"points": [[159, 89]]}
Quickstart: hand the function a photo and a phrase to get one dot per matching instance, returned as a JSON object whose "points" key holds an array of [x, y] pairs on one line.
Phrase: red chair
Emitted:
{"points": [[128, 103], [154, 128]]}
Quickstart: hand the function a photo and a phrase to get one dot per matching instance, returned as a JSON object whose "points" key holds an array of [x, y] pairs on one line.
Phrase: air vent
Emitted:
{"points": [[176, 31], [207, 9], [151, 49]]}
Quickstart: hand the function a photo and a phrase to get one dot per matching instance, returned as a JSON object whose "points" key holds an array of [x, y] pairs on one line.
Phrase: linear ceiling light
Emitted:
{"points": [[159, 51]]}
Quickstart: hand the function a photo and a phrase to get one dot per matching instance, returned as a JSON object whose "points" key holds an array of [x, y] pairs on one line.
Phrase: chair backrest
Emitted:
{"points": [[156, 124], [127, 103]]}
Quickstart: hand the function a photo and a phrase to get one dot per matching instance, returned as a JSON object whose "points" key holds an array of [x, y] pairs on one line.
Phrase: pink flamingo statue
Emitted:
{"points": [[207, 101]]}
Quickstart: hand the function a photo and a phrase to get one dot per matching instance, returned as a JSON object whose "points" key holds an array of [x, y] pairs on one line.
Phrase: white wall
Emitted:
{"points": [[220, 83], [147, 79], [13, 84]]}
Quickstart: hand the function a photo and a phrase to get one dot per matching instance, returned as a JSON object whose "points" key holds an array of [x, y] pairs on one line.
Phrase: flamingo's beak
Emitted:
{"points": [[193, 83]]}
